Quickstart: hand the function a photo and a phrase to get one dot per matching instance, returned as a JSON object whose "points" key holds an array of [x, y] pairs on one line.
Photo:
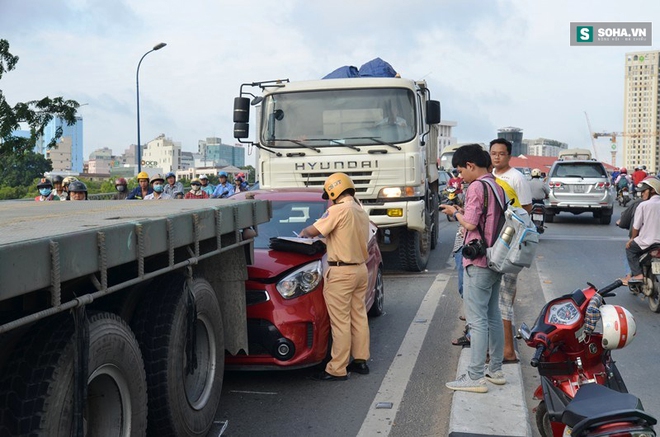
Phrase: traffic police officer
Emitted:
{"points": [[346, 228]]}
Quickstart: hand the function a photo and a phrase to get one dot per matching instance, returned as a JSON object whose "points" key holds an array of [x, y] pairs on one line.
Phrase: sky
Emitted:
{"points": [[491, 63]]}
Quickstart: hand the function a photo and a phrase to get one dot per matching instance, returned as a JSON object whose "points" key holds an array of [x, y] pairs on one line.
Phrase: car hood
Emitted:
{"points": [[271, 263]]}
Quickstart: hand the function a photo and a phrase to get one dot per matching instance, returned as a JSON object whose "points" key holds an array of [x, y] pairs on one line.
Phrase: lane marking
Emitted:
{"points": [[379, 421]]}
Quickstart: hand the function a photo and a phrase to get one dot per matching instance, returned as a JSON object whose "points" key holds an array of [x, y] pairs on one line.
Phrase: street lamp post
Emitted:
{"points": [[137, 88]]}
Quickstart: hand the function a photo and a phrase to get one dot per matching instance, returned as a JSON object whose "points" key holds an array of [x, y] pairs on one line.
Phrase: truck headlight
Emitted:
{"points": [[401, 192], [301, 281]]}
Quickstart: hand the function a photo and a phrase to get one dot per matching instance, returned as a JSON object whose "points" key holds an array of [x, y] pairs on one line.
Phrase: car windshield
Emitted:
{"points": [[579, 170], [288, 217], [331, 118]]}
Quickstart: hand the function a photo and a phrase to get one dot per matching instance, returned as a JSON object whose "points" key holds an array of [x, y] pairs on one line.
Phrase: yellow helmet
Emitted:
{"points": [[143, 175], [336, 184]]}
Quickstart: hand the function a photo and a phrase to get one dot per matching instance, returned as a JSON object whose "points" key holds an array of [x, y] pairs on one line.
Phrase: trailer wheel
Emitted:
{"points": [[37, 386], [183, 399], [414, 247]]}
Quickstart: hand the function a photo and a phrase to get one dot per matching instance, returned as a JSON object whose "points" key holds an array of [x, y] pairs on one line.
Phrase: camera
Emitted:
{"points": [[474, 249]]}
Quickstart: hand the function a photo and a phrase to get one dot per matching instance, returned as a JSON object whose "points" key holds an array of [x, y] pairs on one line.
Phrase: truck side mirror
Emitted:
{"points": [[432, 112], [241, 117], [241, 110], [241, 130]]}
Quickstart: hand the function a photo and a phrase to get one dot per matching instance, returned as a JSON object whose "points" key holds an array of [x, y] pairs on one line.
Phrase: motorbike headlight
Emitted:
{"points": [[301, 281], [400, 192]]}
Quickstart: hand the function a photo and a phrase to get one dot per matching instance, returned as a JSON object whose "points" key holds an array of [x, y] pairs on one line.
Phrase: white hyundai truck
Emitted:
{"points": [[381, 131]]}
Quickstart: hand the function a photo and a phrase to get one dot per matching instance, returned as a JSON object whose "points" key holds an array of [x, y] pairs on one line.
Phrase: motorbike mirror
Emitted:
{"points": [[525, 332]]}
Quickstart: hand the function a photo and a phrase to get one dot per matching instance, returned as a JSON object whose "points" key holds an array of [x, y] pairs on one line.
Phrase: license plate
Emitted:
{"points": [[579, 188], [537, 217], [655, 267]]}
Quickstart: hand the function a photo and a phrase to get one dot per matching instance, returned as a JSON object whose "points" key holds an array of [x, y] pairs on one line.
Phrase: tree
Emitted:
{"points": [[35, 113], [21, 169]]}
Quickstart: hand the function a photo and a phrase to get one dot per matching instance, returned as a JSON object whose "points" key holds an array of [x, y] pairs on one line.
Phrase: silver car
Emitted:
{"points": [[580, 186]]}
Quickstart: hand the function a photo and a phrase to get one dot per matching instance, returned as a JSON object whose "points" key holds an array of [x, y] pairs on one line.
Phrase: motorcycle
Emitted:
{"points": [[623, 196], [538, 216], [449, 196], [582, 392], [650, 285]]}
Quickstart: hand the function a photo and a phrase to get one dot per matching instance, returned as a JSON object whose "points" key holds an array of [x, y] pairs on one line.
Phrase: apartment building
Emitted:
{"points": [[162, 152], [641, 110]]}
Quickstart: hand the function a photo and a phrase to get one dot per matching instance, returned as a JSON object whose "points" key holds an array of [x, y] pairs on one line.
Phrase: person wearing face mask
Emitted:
{"points": [[158, 185], [46, 193], [196, 191], [121, 187]]}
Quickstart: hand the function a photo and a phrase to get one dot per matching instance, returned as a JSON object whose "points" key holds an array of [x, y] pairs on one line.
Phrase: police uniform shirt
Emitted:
{"points": [[346, 228]]}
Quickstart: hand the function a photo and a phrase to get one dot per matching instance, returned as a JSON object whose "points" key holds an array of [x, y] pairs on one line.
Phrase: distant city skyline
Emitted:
{"points": [[491, 64]]}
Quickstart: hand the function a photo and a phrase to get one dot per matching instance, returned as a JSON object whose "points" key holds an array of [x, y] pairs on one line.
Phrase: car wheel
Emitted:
{"points": [[378, 306], [605, 218], [549, 217]]}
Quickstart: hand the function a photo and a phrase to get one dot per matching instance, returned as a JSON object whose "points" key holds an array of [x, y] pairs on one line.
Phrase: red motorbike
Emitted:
{"points": [[582, 392]]}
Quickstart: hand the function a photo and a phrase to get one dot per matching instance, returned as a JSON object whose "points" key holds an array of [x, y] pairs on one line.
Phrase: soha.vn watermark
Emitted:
{"points": [[612, 34]]}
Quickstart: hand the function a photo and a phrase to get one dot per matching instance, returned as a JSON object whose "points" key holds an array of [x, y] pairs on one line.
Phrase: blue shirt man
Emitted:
{"points": [[224, 188]]}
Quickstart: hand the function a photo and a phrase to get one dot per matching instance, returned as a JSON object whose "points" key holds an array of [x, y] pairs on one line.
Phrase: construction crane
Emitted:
{"points": [[613, 136], [591, 135]]}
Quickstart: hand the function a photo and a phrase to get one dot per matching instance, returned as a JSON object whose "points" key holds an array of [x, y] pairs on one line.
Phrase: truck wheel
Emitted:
{"points": [[181, 403], [378, 307], [414, 247], [40, 380], [435, 222]]}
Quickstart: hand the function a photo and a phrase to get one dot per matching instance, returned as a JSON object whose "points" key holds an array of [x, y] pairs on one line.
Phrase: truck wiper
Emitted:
{"points": [[338, 142], [297, 142], [376, 140]]}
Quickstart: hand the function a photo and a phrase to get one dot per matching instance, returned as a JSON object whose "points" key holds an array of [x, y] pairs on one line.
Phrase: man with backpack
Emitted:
{"points": [[623, 181], [481, 285], [517, 189]]}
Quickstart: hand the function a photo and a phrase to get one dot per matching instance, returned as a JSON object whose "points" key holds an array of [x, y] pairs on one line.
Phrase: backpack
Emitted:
{"points": [[517, 238], [623, 183]]}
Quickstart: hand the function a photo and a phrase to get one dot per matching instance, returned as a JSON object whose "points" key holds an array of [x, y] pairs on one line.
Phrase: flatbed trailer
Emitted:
{"points": [[109, 306]]}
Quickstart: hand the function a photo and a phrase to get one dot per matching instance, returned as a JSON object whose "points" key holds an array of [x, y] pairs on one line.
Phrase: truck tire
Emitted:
{"points": [[435, 222], [181, 404], [415, 247], [36, 392]]}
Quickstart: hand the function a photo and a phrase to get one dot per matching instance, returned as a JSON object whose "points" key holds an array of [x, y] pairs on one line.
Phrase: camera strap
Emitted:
{"points": [[484, 212]]}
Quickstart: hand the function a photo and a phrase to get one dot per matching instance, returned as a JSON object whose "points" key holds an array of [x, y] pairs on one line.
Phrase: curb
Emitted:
{"points": [[500, 412]]}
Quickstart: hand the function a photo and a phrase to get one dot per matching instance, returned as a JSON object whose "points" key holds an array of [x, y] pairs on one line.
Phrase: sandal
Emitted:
{"points": [[461, 318], [461, 341]]}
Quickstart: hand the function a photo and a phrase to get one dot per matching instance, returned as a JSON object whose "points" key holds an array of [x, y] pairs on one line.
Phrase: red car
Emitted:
{"points": [[288, 324]]}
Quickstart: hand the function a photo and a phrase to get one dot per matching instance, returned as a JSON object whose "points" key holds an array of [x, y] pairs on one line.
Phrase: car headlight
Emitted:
{"points": [[400, 192], [301, 281]]}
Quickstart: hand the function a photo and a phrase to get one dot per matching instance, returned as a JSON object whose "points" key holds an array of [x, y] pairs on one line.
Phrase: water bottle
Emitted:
{"points": [[507, 234]]}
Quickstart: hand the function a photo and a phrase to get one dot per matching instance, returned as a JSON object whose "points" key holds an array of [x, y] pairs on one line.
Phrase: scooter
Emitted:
{"points": [[449, 196], [582, 392], [623, 196], [538, 216], [650, 285]]}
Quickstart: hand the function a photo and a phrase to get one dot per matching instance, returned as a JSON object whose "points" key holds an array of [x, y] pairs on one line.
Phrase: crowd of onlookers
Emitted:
{"points": [[155, 187]]}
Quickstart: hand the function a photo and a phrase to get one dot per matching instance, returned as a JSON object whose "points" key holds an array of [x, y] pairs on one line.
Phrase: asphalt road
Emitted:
{"points": [[422, 308]]}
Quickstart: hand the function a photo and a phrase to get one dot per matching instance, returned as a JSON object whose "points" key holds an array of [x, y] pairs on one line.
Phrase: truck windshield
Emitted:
{"points": [[331, 118]]}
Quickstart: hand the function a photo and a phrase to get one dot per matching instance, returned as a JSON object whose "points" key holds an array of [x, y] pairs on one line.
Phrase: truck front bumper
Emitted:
{"points": [[394, 214]]}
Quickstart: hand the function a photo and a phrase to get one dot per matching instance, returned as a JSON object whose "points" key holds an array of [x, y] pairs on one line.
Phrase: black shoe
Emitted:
{"points": [[325, 376], [358, 367]]}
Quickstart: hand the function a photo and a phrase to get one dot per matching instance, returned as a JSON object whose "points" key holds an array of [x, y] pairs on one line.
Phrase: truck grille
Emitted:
{"points": [[361, 179]]}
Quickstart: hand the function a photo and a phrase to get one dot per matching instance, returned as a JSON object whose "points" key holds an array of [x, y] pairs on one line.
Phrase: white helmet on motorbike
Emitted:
{"points": [[619, 326]]}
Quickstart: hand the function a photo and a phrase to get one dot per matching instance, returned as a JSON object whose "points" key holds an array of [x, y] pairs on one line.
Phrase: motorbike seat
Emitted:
{"points": [[595, 400], [650, 252]]}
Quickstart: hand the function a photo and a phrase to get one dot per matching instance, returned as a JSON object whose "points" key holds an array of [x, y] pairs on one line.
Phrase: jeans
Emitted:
{"points": [[481, 302], [458, 259]]}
